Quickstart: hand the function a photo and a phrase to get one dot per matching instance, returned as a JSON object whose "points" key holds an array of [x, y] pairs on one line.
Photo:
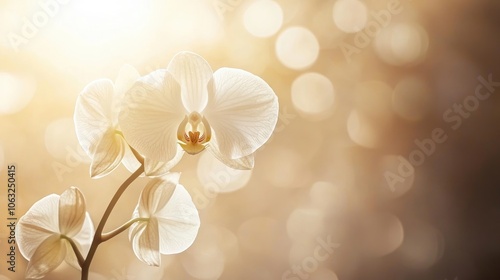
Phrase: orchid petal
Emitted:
{"points": [[178, 222], [154, 168], [37, 224], [145, 243], [242, 111], [156, 194], [129, 160], [126, 78], [193, 74], [93, 114], [49, 255], [243, 163], [85, 237], [71, 258], [151, 113], [108, 154], [71, 212]]}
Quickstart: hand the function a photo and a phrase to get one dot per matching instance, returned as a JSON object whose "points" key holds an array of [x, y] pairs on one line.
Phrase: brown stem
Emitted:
{"points": [[98, 233]]}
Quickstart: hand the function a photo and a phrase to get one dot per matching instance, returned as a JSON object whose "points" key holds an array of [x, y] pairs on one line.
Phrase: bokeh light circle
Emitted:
{"points": [[15, 92], [397, 174], [383, 234], [423, 246], [297, 47], [401, 44], [361, 130], [313, 94], [326, 195], [350, 16], [263, 18], [305, 223]]}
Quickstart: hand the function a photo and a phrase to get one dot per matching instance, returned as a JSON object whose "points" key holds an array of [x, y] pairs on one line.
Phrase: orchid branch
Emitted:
{"points": [[79, 256], [98, 233], [106, 236]]}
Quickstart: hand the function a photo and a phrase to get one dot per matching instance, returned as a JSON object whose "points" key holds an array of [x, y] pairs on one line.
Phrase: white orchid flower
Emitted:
{"points": [[188, 108], [168, 220], [97, 129], [45, 233]]}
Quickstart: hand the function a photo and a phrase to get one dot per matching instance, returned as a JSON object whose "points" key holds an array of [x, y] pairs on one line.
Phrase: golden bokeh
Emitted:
{"points": [[382, 164]]}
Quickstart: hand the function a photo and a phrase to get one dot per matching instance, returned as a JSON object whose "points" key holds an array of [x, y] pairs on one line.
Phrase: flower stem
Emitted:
{"points": [[98, 233], [75, 249], [106, 236]]}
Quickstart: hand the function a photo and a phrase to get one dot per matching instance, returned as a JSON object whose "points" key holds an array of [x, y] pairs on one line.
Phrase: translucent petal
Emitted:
{"points": [[93, 114], [145, 243], [84, 237], [155, 168], [40, 222], [242, 110], [108, 154], [127, 76], [129, 160], [137, 226], [71, 258], [243, 163], [178, 222], [71, 211], [49, 255], [156, 194], [193, 74], [151, 113]]}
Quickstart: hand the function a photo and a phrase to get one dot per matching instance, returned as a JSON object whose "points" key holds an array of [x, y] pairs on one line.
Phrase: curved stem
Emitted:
{"points": [[106, 236], [75, 249], [98, 233]]}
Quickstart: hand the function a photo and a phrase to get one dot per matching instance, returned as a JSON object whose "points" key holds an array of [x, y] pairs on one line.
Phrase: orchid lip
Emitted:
{"points": [[194, 133]]}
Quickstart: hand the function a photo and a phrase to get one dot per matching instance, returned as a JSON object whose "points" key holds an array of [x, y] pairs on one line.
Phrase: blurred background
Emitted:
{"points": [[383, 165]]}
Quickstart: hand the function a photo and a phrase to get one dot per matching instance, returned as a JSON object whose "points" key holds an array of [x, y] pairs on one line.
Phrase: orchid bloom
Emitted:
{"points": [[188, 108], [45, 233], [96, 123], [168, 220]]}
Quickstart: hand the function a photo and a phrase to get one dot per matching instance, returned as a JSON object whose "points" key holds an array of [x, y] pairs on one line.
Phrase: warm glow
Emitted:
{"points": [[263, 18], [350, 15], [297, 48], [15, 92]]}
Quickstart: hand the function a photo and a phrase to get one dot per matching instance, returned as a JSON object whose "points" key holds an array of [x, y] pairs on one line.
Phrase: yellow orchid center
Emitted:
{"points": [[194, 133]]}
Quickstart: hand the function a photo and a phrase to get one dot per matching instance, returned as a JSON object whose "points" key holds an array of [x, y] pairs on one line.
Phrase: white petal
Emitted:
{"points": [[193, 74], [108, 154], [156, 194], [244, 163], [93, 114], [49, 255], [145, 242], [137, 226], [71, 212], [178, 222], [151, 113], [155, 168], [242, 111], [129, 160], [127, 76], [71, 258], [40, 222], [83, 240], [85, 236]]}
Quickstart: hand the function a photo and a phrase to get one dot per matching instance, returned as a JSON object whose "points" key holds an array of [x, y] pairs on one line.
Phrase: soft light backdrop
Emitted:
{"points": [[358, 83]]}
